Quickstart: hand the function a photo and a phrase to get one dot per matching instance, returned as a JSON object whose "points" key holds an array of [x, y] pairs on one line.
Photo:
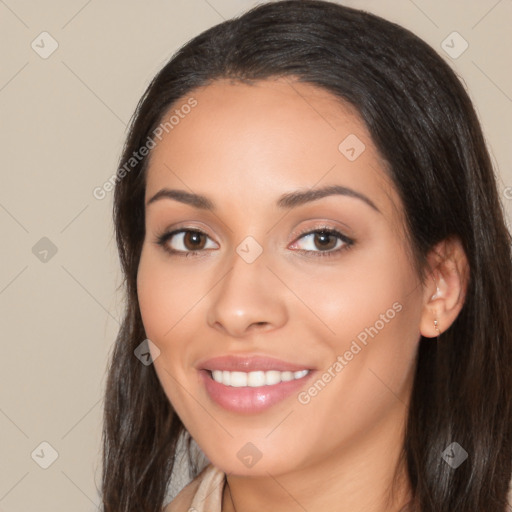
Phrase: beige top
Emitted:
{"points": [[204, 493]]}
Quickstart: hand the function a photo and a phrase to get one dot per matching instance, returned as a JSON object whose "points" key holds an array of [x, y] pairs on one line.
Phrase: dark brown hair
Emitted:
{"points": [[424, 126]]}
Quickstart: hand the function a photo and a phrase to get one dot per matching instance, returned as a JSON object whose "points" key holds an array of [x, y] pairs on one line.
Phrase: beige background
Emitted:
{"points": [[63, 121]]}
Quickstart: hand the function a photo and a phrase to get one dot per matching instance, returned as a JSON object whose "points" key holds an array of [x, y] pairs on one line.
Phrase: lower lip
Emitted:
{"points": [[250, 400]]}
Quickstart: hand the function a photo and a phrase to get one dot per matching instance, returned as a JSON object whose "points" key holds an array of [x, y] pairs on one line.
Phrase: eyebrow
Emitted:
{"points": [[289, 200], [195, 200]]}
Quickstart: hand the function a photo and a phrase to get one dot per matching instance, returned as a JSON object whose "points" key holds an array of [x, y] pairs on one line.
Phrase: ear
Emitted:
{"points": [[445, 289]]}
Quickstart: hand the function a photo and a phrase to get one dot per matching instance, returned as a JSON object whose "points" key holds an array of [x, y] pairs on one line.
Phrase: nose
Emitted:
{"points": [[248, 299]]}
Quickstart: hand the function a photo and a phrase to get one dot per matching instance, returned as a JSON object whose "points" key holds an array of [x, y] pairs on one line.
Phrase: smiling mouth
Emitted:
{"points": [[255, 379]]}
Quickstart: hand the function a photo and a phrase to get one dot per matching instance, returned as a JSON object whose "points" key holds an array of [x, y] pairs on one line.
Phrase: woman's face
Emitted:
{"points": [[285, 307]]}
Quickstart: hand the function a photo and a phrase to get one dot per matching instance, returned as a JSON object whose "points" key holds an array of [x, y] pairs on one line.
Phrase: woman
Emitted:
{"points": [[318, 267]]}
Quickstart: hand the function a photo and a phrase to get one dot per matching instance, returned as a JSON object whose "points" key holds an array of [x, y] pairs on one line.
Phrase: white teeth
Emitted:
{"points": [[255, 379], [272, 377], [237, 379], [286, 376]]}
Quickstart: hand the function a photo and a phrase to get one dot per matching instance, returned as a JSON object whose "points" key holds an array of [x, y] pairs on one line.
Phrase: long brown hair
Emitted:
{"points": [[424, 125]]}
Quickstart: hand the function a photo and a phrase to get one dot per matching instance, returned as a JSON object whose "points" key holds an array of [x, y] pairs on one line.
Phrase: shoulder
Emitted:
{"points": [[204, 491]]}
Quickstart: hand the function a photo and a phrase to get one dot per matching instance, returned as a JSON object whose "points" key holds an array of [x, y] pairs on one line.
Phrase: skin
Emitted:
{"points": [[243, 146]]}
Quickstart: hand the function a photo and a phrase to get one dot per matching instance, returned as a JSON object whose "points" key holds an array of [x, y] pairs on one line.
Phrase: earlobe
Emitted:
{"points": [[445, 288]]}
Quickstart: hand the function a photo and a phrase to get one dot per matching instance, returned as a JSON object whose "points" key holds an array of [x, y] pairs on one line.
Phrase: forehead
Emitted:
{"points": [[267, 137]]}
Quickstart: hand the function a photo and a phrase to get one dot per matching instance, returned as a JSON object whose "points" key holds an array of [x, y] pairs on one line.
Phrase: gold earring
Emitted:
{"points": [[435, 326]]}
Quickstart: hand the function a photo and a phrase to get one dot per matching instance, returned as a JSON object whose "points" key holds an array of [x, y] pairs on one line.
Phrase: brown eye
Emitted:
{"points": [[186, 242], [324, 240], [193, 240]]}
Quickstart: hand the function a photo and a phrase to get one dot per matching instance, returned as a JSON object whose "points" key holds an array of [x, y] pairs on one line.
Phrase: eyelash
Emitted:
{"points": [[348, 242]]}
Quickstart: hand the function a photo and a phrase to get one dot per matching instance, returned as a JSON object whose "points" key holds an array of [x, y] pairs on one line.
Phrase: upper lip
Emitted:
{"points": [[249, 363]]}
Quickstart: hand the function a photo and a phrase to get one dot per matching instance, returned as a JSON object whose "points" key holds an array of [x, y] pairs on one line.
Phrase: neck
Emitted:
{"points": [[357, 477]]}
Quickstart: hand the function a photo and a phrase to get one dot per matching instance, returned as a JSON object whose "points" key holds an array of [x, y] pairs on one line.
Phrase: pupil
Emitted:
{"points": [[324, 239], [192, 239]]}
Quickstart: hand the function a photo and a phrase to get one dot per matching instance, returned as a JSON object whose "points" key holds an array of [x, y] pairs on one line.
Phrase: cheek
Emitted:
{"points": [[367, 377], [372, 311], [166, 295], [365, 290], [164, 301]]}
